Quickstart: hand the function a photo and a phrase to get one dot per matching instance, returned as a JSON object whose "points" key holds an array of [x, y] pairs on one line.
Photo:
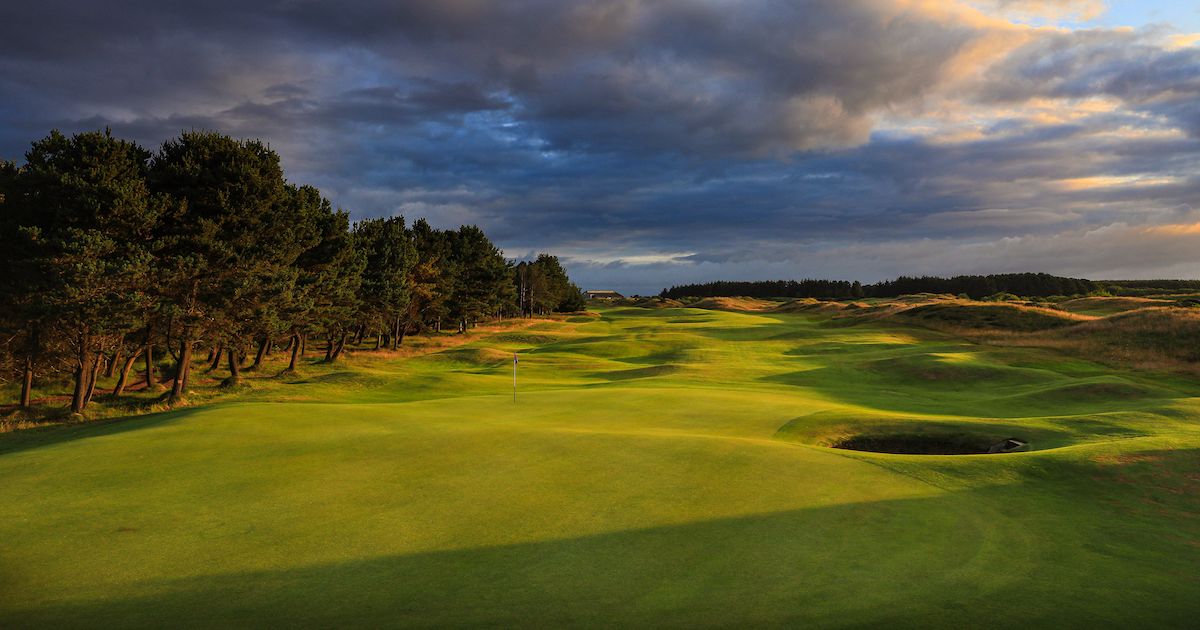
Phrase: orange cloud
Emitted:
{"points": [[1103, 181]]}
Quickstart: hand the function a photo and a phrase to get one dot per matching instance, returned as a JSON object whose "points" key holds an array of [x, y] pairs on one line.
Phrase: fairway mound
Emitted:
{"points": [[922, 444], [923, 298], [1091, 392], [480, 357], [1111, 305], [1148, 338], [734, 304], [1171, 326], [523, 338], [811, 305], [658, 303], [976, 315], [637, 373], [932, 368]]}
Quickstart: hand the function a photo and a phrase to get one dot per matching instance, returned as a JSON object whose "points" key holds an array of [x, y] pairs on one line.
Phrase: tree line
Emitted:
{"points": [[768, 289], [1151, 287], [978, 286], [114, 254]]}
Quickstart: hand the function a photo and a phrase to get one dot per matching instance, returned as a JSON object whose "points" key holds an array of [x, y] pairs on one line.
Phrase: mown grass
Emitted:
{"points": [[661, 467]]}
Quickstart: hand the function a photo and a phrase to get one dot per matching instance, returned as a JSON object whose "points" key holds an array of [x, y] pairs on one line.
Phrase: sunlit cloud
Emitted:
{"points": [[1187, 40], [1096, 182], [1057, 10]]}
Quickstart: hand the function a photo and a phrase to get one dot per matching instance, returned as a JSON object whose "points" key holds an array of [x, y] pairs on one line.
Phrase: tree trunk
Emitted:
{"points": [[235, 375], [95, 375], [358, 335], [378, 340], [187, 371], [123, 377], [291, 340], [151, 385], [401, 330], [114, 360], [303, 344], [82, 369], [31, 351], [262, 351], [27, 381], [341, 345], [181, 372], [295, 346], [216, 358], [328, 347]]}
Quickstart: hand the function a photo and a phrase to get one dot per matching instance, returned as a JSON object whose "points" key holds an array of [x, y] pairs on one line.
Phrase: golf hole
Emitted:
{"points": [[930, 444]]}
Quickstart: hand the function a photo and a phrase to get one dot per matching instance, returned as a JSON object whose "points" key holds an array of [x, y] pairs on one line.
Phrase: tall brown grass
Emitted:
{"points": [[1165, 339]]}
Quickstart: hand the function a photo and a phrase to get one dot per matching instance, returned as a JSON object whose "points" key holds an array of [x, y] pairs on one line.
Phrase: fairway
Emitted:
{"points": [[660, 468]]}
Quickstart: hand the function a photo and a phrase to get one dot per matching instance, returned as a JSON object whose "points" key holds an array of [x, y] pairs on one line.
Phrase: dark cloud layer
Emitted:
{"points": [[657, 142]]}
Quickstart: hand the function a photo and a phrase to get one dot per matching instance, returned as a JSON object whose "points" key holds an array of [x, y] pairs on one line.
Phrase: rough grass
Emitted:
{"points": [[1153, 339], [810, 305], [660, 468], [734, 304], [961, 314], [1102, 306]]}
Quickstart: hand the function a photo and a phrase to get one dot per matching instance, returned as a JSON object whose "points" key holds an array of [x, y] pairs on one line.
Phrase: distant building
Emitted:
{"points": [[603, 295]]}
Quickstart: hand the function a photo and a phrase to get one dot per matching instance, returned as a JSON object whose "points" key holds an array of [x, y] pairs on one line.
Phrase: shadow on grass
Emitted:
{"points": [[37, 437], [955, 560], [636, 373], [910, 384]]}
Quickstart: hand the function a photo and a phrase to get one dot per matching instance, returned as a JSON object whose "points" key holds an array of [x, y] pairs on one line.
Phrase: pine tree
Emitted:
{"points": [[227, 240], [92, 223]]}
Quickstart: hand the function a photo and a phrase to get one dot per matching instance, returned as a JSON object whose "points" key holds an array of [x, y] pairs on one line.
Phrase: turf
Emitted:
{"points": [[666, 468]]}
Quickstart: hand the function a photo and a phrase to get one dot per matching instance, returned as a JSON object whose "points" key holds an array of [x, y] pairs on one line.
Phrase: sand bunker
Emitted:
{"points": [[930, 444]]}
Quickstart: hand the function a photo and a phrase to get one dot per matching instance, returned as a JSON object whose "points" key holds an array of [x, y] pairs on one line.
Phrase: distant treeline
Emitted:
{"points": [[1023, 284], [768, 289], [110, 252], [1149, 287], [1026, 284]]}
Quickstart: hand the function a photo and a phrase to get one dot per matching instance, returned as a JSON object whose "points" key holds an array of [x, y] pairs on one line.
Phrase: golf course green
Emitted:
{"points": [[659, 468]]}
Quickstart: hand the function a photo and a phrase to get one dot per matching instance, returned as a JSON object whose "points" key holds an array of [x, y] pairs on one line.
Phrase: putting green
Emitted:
{"points": [[660, 468]]}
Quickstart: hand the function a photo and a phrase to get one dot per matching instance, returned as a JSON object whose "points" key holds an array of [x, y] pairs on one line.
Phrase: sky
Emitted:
{"points": [[659, 142]]}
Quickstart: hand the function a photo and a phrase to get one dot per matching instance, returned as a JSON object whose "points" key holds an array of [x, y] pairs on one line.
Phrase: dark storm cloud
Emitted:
{"points": [[768, 77], [685, 137]]}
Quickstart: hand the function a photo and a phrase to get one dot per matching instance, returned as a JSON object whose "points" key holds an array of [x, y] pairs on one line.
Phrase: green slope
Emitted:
{"points": [[660, 468]]}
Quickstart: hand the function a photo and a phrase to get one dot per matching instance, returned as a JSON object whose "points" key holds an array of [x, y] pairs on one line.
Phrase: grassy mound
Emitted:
{"points": [[1102, 306], [637, 373], [523, 339], [921, 298], [652, 302], [733, 304], [1113, 394], [810, 305], [474, 356], [1154, 338], [954, 369], [979, 315]]}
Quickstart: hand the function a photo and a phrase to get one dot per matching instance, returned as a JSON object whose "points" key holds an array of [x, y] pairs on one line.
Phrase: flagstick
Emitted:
{"points": [[514, 377]]}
